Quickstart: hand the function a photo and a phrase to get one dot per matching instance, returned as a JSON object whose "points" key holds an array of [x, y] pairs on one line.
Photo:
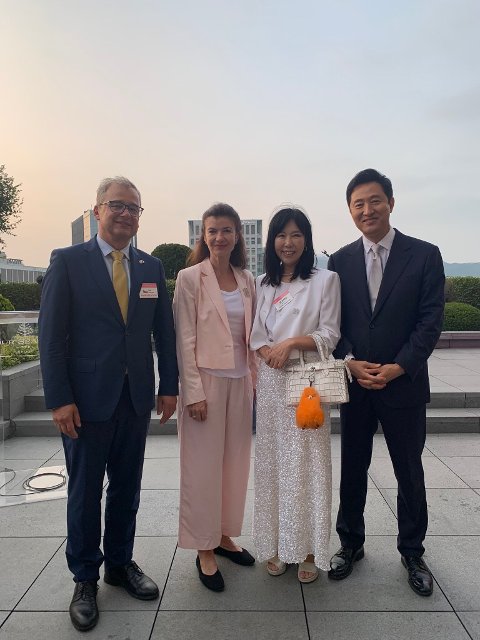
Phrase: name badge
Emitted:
{"points": [[282, 300], [149, 290]]}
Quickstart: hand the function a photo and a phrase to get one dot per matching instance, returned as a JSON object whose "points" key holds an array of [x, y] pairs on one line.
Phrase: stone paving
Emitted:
{"points": [[374, 603]]}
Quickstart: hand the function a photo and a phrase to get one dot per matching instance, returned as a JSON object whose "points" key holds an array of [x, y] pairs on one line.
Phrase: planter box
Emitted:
{"points": [[17, 382], [459, 340]]}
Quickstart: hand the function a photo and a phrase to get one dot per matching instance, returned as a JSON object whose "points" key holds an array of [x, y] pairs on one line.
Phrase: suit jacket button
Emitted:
{"points": [[372, 326]]}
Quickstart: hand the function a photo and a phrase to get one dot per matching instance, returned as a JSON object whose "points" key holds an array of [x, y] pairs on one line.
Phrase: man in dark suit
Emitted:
{"points": [[392, 314], [101, 300]]}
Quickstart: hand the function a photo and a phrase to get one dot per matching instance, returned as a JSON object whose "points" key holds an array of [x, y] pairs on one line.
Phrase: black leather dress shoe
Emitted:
{"points": [[83, 607], [419, 576], [132, 578], [239, 557], [214, 582], [341, 564]]}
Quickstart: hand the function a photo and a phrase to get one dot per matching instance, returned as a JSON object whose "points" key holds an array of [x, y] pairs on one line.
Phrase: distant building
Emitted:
{"points": [[13, 270], [252, 232], [86, 226]]}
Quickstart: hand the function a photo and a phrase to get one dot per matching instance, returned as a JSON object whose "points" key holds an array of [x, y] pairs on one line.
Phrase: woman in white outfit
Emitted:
{"points": [[293, 486]]}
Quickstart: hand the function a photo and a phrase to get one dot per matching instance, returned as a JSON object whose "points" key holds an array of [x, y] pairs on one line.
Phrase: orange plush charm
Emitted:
{"points": [[309, 411]]}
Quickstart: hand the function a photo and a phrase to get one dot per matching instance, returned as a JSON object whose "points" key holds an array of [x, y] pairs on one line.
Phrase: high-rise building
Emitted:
{"points": [[86, 226], [252, 232]]}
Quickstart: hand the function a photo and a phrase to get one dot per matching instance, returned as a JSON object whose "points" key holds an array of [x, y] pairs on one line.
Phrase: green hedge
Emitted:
{"points": [[24, 296], [461, 317], [463, 289], [5, 304]]}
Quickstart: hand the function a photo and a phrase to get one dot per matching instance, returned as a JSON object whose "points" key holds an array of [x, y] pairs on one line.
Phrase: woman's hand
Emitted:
{"points": [[198, 410], [279, 354], [264, 351]]}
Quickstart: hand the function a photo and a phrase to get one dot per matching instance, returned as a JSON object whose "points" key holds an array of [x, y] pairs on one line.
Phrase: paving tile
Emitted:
{"points": [[450, 511], [465, 383], [35, 448], [377, 583], [455, 563], [471, 620], [234, 625], [161, 473], [21, 560], [121, 625], [385, 626], [34, 519], [437, 474], [162, 447], [248, 514], [380, 519], [53, 589], [158, 513], [246, 588], [454, 444], [468, 469]]}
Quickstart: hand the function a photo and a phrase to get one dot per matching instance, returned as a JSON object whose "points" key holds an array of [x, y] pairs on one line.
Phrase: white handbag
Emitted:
{"points": [[327, 375]]}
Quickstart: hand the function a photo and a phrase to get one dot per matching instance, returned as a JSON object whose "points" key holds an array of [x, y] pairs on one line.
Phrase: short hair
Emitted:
{"points": [[238, 257], [106, 183], [273, 266], [369, 175]]}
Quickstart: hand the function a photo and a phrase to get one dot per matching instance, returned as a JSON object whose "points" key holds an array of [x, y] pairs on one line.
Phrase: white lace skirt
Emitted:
{"points": [[293, 479]]}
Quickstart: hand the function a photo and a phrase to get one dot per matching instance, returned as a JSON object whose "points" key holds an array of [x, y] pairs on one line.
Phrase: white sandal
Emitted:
{"points": [[307, 567], [280, 566]]}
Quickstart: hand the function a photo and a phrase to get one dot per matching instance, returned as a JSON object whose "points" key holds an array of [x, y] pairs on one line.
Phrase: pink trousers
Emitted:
{"points": [[215, 463]]}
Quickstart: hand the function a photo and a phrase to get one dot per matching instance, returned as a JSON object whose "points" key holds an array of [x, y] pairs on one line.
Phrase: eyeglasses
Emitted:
{"points": [[116, 206]]}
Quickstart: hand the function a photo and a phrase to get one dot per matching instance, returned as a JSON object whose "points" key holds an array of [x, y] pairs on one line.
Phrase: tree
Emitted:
{"points": [[173, 257], [10, 203]]}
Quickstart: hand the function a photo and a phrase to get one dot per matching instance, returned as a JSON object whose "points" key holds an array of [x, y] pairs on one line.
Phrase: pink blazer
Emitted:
{"points": [[202, 328]]}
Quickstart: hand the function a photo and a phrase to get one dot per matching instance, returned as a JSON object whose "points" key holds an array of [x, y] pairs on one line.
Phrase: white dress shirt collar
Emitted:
{"points": [[386, 242], [106, 249]]}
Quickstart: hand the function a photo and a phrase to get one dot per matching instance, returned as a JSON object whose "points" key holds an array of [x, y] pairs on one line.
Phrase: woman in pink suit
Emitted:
{"points": [[213, 307]]}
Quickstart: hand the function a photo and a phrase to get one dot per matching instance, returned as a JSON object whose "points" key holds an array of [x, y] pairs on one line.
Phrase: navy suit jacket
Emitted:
{"points": [[406, 322], [86, 347]]}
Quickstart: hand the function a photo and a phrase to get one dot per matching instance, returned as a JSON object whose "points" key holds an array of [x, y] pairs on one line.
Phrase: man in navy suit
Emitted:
{"points": [[95, 325], [392, 315]]}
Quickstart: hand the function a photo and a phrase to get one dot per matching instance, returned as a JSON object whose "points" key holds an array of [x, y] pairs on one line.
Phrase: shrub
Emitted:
{"points": [[461, 317], [22, 348], [5, 304], [25, 296], [462, 289], [170, 288]]}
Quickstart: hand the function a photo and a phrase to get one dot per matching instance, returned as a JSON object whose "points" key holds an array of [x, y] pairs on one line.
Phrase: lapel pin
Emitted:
{"points": [[141, 262]]}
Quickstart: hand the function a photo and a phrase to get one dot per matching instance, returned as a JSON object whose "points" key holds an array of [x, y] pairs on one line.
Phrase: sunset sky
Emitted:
{"points": [[254, 103]]}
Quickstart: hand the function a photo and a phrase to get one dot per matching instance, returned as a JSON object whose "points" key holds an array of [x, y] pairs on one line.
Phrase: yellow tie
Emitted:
{"points": [[120, 283]]}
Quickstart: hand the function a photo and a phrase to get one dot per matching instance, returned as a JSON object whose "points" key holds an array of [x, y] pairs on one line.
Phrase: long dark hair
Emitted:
{"points": [[238, 257], [273, 266]]}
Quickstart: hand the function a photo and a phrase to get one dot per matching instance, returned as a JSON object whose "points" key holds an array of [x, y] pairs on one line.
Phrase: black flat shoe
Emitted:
{"points": [[83, 608], [419, 577], [239, 557], [133, 580], [214, 582], [341, 564]]}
